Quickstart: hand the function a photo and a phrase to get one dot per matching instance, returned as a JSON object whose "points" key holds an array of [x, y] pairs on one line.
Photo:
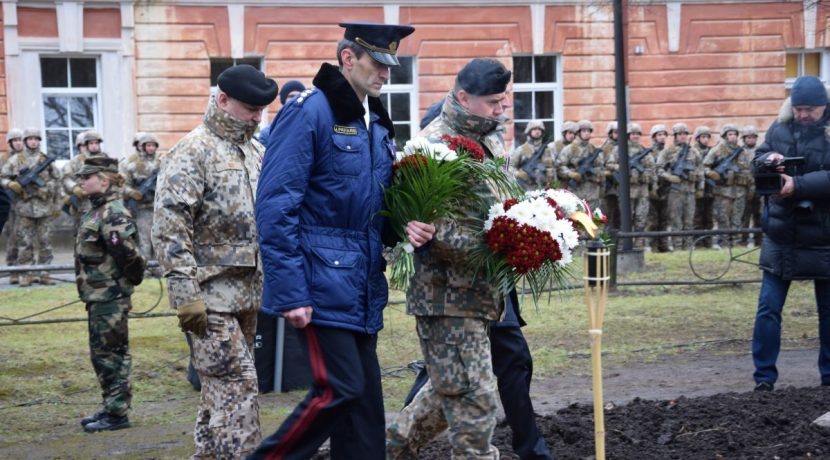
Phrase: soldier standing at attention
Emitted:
{"points": [[14, 139], [107, 268], [534, 156], [452, 307], [703, 206], [569, 131], [641, 177], [728, 188], [752, 211], [582, 156], [34, 209], [610, 203], [329, 159], [71, 187], [140, 170], [658, 192], [679, 166], [205, 237]]}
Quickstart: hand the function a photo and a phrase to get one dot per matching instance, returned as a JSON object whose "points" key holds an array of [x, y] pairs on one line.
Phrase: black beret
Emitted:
{"points": [[247, 84], [288, 87], [483, 76], [380, 40]]}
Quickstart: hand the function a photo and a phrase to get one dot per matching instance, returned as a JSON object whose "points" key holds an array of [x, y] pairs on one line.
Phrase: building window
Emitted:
{"points": [[536, 91], [805, 62], [400, 98], [70, 101], [219, 65]]}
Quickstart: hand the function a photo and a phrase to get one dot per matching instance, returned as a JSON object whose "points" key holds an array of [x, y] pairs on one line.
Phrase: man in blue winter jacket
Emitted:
{"points": [[328, 159], [796, 224]]}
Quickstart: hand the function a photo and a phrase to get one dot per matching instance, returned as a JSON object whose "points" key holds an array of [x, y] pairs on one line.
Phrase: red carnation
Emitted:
{"points": [[464, 146], [411, 161]]}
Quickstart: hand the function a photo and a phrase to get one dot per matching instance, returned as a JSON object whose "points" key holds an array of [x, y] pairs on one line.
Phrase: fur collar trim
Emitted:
{"points": [[785, 113], [343, 100]]}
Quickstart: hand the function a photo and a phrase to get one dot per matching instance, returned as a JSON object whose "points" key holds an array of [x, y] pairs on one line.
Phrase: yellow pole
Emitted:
{"points": [[597, 258]]}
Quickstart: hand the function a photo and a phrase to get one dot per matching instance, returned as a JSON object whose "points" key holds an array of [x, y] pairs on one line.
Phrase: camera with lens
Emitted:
{"points": [[768, 175]]}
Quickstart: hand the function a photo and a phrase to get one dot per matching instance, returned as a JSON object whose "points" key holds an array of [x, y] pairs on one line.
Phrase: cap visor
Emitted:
{"points": [[384, 58]]}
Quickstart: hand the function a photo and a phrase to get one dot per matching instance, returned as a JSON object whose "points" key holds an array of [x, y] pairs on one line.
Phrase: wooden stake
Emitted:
{"points": [[597, 258]]}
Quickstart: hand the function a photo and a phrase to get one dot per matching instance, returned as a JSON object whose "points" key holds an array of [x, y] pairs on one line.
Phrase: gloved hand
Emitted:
{"points": [[713, 175], [674, 179], [575, 176], [699, 194], [78, 192], [521, 174], [135, 195], [608, 173], [193, 318], [15, 187], [652, 193]]}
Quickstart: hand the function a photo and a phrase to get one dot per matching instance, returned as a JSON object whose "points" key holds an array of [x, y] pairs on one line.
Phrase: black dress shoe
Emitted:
{"points": [[108, 423], [764, 386], [92, 418]]}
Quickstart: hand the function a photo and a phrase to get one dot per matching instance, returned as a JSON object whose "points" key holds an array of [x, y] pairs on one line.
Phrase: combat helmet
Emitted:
{"points": [[634, 128], [533, 125], [585, 124], [612, 126], [80, 139], [658, 128], [14, 133], [679, 128], [136, 137], [570, 126], [148, 138], [702, 130], [31, 132], [749, 130], [92, 135], [729, 127]]}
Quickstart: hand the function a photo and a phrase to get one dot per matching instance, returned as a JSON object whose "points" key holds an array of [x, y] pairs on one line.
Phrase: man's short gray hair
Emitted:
{"points": [[346, 43]]}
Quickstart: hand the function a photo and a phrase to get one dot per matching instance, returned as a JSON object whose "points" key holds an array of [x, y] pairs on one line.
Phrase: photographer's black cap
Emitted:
{"points": [[245, 83], [381, 41], [483, 76]]}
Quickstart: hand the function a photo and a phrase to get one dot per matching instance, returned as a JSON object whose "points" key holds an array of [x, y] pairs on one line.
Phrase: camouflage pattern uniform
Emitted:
{"points": [[34, 211], [80, 205], [453, 308], [752, 210], [204, 236], [559, 145], [9, 229], [729, 191], [639, 183], [107, 266], [525, 152], [658, 192], [610, 203], [681, 190], [703, 204], [589, 187], [136, 169]]}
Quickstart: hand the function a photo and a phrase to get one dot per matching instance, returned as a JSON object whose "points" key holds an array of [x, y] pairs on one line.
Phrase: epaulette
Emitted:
{"points": [[305, 95]]}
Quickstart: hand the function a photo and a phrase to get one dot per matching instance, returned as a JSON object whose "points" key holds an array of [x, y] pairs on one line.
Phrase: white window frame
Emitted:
{"points": [[824, 66], [412, 90], [70, 91], [264, 121], [555, 87]]}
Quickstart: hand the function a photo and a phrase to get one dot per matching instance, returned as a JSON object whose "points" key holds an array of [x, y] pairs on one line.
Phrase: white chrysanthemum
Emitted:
{"points": [[566, 200], [567, 257], [565, 234], [416, 145], [522, 212], [444, 153]]}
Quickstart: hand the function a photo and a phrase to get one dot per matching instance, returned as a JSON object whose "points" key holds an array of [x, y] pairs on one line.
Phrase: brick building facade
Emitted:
{"points": [[126, 66]]}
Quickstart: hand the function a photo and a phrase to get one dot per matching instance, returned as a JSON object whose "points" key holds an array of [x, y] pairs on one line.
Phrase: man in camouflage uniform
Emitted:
{"points": [[35, 208], [581, 155], [610, 202], [641, 177], [461, 393], [533, 156], [729, 188], [140, 170], [205, 238], [569, 132], [107, 267], [658, 214], [679, 166], [75, 202], [14, 139], [703, 206], [752, 210]]}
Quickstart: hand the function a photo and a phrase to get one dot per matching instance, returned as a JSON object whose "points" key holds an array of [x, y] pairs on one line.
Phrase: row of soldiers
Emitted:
{"points": [[40, 190], [676, 186]]}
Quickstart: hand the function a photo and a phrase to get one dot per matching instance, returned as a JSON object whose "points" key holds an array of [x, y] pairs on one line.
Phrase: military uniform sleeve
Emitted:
{"points": [[178, 197], [129, 178], [119, 232], [69, 181], [281, 191], [453, 241], [7, 173]]}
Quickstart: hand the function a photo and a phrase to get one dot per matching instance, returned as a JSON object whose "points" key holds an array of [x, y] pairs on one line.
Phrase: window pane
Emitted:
{"points": [[400, 106], [545, 69], [83, 72], [549, 130], [792, 65], [218, 66], [402, 74], [53, 73], [519, 133], [402, 134], [55, 111], [82, 109], [58, 143], [544, 104], [522, 108], [384, 99], [812, 64], [522, 69]]}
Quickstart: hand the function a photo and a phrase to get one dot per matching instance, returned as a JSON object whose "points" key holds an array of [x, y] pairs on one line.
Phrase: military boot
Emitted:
{"points": [[46, 281], [25, 281], [93, 418], [14, 278], [108, 423]]}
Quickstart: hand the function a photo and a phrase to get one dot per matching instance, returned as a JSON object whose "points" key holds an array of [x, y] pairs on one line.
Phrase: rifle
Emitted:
{"points": [[532, 166], [726, 165], [635, 163], [29, 177], [586, 167], [147, 188], [681, 167]]}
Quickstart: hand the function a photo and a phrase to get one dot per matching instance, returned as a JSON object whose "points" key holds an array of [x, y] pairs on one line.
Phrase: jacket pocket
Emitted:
{"points": [[347, 155], [338, 278]]}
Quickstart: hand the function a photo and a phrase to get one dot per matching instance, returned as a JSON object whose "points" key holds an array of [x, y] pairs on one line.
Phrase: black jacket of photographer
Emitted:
{"points": [[797, 228]]}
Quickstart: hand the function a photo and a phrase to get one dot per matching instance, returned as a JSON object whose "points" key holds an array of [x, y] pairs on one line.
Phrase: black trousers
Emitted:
{"points": [[345, 402], [513, 367]]}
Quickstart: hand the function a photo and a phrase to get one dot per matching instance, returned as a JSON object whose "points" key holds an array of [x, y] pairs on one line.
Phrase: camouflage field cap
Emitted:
{"points": [[98, 164]]}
